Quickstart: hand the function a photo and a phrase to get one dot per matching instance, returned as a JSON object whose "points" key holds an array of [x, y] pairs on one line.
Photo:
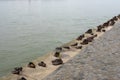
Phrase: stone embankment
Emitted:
{"points": [[100, 60]]}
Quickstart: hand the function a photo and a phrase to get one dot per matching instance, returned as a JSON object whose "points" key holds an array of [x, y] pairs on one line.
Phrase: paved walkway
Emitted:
{"points": [[98, 61]]}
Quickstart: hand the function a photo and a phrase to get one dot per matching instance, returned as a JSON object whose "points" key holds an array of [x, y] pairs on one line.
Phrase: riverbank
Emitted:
{"points": [[66, 55], [98, 61]]}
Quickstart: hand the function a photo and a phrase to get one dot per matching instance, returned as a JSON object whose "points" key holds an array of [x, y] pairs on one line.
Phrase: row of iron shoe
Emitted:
{"points": [[85, 41], [58, 50]]}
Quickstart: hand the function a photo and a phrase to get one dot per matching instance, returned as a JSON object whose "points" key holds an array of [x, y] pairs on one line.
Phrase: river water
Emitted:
{"points": [[32, 28]]}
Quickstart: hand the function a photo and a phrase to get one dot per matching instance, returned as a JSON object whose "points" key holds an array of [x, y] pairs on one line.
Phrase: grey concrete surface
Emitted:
{"points": [[98, 61]]}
